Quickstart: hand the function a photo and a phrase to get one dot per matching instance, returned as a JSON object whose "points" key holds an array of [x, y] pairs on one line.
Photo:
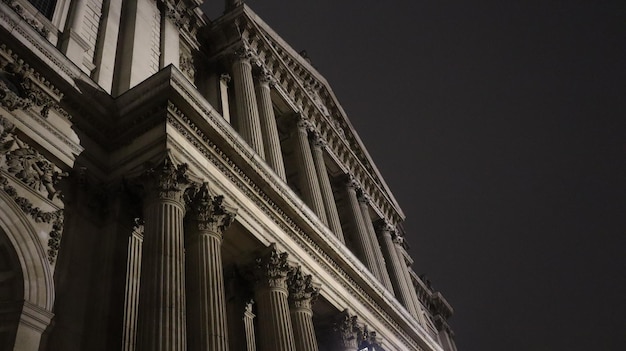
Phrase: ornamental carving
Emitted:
{"points": [[271, 268], [55, 218], [27, 164], [165, 181], [186, 64], [346, 328], [209, 211], [21, 87], [181, 13], [302, 293], [28, 18]]}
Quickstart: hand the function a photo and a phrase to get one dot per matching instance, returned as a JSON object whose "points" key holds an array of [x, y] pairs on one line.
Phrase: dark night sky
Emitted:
{"points": [[500, 128]]}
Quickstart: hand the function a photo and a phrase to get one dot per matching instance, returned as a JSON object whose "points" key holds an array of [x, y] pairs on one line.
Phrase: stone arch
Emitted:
{"points": [[38, 285]]}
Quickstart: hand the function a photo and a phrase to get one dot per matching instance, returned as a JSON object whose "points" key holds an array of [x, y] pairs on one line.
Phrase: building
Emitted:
{"points": [[174, 183]]}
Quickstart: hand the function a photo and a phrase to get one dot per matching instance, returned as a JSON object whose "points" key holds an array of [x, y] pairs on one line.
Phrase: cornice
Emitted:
{"points": [[310, 96], [193, 118]]}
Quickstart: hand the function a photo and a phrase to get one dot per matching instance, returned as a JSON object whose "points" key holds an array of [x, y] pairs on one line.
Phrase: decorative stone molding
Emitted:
{"points": [[27, 164], [53, 217], [209, 211], [21, 87], [186, 62], [27, 17], [196, 137], [166, 181], [271, 268], [302, 293], [345, 328]]}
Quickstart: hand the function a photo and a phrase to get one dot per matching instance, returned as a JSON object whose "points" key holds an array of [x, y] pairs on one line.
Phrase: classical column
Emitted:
{"points": [[205, 277], [309, 184], [345, 332], [247, 112], [271, 140], [248, 322], [162, 320], [275, 329], [302, 294], [362, 241], [327, 191], [131, 291], [398, 269], [371, 234]]}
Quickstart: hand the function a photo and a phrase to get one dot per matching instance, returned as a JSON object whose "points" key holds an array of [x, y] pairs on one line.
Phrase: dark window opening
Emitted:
{"points": [[46, 7]]}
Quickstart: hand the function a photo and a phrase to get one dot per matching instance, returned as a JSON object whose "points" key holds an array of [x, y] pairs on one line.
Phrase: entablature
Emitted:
{"points": [[307, 92]]}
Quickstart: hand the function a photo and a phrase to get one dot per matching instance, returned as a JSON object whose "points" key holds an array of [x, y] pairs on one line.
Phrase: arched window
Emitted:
{"points": [[46, 7]]}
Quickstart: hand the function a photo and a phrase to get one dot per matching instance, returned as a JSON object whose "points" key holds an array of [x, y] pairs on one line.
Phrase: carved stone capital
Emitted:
{"points": [[243, 53], [271, 269], [302, 293], [264, 77], [225, 77], [208, 211], [353, 183], [363, 197], [384, 226], [165, 181], [318, 141], [346, 328]]}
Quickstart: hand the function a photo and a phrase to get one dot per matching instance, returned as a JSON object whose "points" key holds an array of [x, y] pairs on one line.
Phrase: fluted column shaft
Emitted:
{"points": [[398, 269], [207, 301], [327, 191], [301, 296], [247, 112], [269, 130], [248, 323], [162, 319], [371, 234], [275, 329], [309, 184], [363, 243]]}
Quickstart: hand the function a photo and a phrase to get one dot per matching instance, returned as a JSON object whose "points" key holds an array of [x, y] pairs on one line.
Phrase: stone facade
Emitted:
{"points": [[168, 183]]}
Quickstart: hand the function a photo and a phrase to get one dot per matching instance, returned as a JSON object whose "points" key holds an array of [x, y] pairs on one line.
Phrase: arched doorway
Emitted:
{"points": [[11, 293]]}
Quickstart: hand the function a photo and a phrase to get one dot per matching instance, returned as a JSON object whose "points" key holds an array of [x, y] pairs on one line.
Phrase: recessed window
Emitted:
{"points": [[46, 7]]}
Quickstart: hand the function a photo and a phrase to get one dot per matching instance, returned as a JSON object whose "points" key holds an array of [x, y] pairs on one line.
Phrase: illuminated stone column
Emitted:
{"points": [[247, 112], [205, 277], [248, 322], [398, 269], [275, 329], [327, 191], [302, 294], [362, 241], [162, 320], [309, 184], [271, 140], [371, 235], [223, 92]]}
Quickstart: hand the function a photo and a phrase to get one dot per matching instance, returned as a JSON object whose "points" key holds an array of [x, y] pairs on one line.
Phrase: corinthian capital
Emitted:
{"points": [[165, 181], [271, 268], [209, 211], [346, 328], [384, 226], [302, 293]]}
